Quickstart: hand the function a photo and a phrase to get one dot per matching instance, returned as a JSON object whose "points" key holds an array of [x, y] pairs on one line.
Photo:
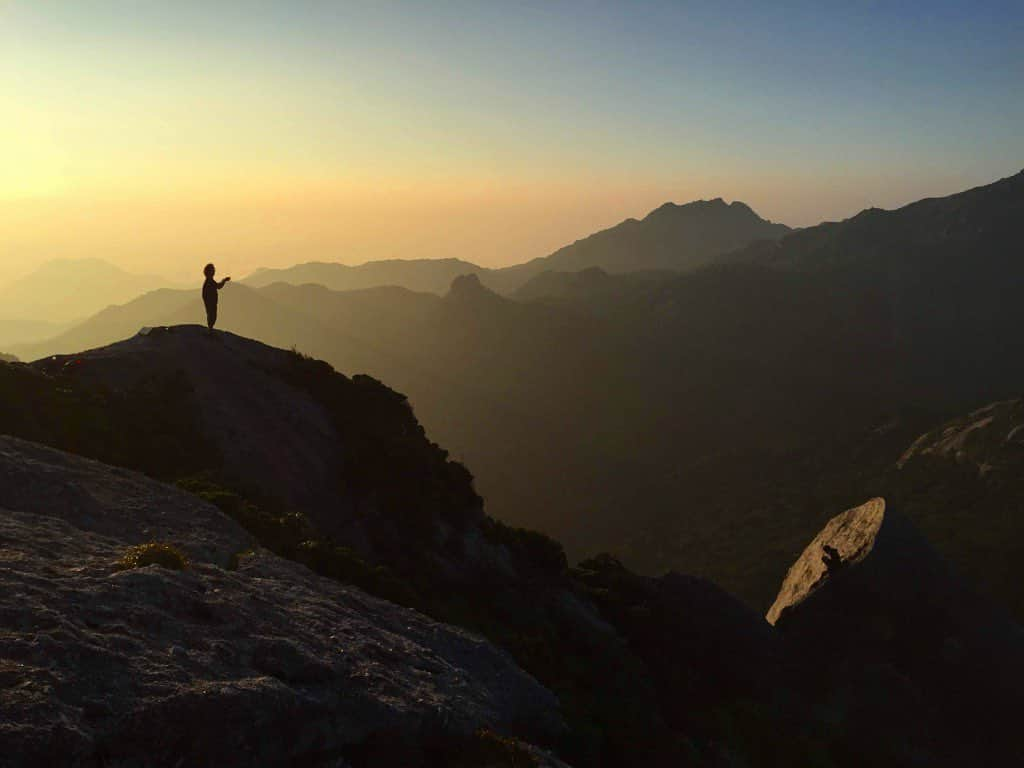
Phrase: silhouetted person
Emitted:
{"points": [[831, 559], [210, 289]]}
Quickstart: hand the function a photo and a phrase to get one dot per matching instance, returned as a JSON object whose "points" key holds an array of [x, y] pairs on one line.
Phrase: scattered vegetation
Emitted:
{"points": [[153, 427], [385, 441], [533, 547], [154, 553], [292, 535]]}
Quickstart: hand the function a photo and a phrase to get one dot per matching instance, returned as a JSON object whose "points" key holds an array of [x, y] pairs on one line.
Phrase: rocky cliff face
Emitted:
{"points": [[243, 658], [271, 438], [289, 432]]}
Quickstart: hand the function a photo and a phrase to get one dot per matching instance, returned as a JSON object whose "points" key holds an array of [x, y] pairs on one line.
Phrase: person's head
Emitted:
{"points": [[209, 270]]}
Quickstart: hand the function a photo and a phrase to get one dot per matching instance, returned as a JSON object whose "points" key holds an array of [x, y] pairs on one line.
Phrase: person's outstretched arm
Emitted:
{"points": [[221, 283]]}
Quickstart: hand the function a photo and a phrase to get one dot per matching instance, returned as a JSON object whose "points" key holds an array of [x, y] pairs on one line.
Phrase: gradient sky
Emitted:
{"points": [[160, 135]]}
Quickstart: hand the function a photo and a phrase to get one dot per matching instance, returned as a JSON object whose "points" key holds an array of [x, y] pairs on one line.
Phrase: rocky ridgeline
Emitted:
{"points": [[243, 658], [989, 440], [273, 438]]}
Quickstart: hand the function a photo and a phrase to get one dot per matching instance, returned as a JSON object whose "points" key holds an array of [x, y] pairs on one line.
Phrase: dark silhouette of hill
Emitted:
{"points": [[950, 270], [672, 237], [67, 290], [335, 474], [589, 287]]}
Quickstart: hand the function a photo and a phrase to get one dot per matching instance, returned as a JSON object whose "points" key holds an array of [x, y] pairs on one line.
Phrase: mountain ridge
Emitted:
{"points": [[710, 395], [670, 237]]}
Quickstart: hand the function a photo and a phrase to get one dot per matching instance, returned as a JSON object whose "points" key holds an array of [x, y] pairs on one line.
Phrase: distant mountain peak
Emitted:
{"points": [[466, 283], [696, 208], [673, 236], [468, 290]]}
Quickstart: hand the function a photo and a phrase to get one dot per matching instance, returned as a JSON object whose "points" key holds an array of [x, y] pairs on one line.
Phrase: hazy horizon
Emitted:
{"points": [[156, 137]]}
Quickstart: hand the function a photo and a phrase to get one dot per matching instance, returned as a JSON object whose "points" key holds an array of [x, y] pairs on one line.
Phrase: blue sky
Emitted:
{"points": [[807, 111]]}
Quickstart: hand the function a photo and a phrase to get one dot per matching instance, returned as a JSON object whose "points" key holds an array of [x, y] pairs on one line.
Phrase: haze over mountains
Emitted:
{"points": [[676, 418], [672, 238], [64, 291]]}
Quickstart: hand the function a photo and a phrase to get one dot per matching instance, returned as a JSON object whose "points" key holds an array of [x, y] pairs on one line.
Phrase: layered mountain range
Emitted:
{"points": [[706, 420], [670, 238]]}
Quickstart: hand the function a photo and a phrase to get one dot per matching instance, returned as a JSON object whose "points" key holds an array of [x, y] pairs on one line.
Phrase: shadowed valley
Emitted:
{"points": [[605, 667]]}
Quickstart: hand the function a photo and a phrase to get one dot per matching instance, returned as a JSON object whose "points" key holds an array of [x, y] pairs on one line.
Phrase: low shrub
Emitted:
{"points": [[154, 553], [281, 533], [540, 551], [342, 564], [292, 535]]}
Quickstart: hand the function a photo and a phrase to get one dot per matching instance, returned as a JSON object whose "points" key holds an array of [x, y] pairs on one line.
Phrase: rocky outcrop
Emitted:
{"points": [[728, 652], [871, 582], [845, 540], [241, 659], [290, 432], [269, 436], [961, 484], [989, 440], [705, 649], [879, 622]]}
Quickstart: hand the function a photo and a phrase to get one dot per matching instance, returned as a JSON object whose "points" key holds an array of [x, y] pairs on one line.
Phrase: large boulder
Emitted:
{"points": [[884, 626], [242, 658]]}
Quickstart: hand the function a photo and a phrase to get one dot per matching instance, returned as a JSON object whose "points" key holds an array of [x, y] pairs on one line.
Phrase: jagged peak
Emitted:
{"points": [[468, 288], [716, 204]]}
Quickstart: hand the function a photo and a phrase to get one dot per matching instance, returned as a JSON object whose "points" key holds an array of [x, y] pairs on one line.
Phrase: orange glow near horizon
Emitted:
{"points": [[157, 136], [247, 223]]}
